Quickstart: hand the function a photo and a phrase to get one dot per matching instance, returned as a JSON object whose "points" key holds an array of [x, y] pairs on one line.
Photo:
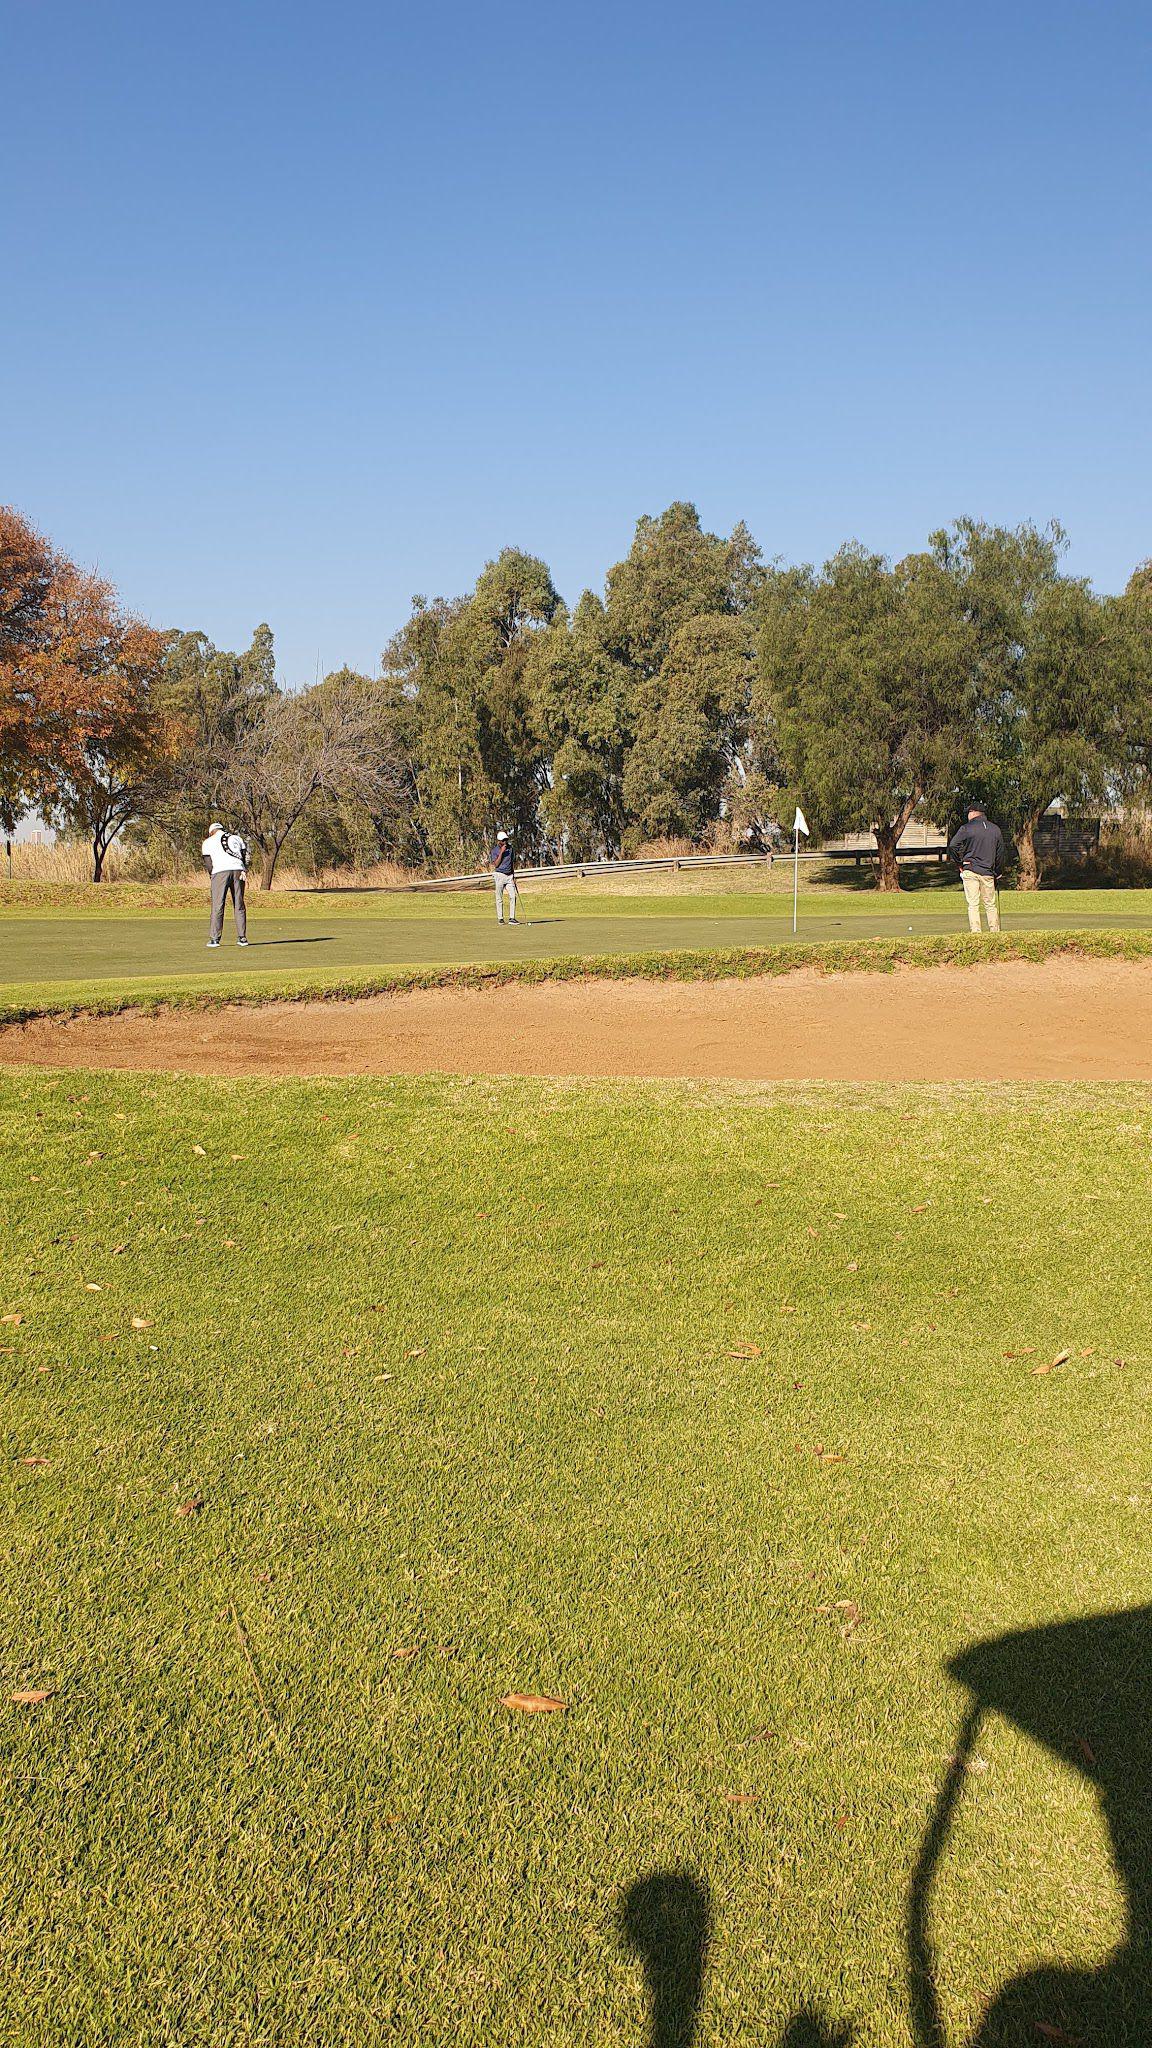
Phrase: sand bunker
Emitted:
{"points": [[1062, 1019]]}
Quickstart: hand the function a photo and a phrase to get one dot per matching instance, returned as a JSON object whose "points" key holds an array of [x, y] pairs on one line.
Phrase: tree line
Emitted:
{"points": [[698, 697]]}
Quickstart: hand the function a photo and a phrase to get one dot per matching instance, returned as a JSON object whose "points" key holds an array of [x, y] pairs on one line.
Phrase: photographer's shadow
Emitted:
{"points": [[1083, 1689], [666, 1917]]}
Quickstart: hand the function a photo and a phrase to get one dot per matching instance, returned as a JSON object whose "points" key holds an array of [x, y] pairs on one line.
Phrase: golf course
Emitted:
{"points": [[536, 1560]]}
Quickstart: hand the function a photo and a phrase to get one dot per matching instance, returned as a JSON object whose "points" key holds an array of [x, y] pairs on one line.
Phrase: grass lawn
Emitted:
{"points": [[321, 940], [713, 1413]]}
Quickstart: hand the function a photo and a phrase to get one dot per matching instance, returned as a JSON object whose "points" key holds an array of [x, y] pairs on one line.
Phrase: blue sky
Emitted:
{"points": [[307, 309]]}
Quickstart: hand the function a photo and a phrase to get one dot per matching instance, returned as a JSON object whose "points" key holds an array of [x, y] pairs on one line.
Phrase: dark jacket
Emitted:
{"points": [[502, 858], [979, 846]]}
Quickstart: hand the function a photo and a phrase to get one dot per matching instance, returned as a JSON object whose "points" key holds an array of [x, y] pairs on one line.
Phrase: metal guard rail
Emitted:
{"points": [[590, 870]]}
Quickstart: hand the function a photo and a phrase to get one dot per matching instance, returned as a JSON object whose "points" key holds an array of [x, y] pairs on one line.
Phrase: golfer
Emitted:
{"points": [[505, 872], [226, 859], [978, 850]]}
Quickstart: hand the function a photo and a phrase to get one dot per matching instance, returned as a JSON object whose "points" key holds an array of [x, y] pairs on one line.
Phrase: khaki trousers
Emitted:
{"points": [[981, 889]]}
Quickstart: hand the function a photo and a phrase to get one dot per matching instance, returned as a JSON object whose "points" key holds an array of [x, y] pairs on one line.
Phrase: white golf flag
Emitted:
{"points": [[800, 823]]}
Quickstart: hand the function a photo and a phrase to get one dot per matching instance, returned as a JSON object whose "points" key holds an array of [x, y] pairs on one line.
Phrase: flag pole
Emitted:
{"points": [[795, 879]]}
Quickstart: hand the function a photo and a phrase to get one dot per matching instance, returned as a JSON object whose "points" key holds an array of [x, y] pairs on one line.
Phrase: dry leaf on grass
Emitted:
{"points": [[741, 1798], [405, 1653], [1026, 1352], [35, 1459], [532, 1703], [11, 1319], [30, 1697], [1050, 1364], [746, 1351], [141, 1323], [190, 1507], [199, 1151], [93, 1287]]}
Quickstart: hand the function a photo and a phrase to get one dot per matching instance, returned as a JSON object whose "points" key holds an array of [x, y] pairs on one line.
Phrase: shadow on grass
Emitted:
{"points": [[667, 1918], [317, 939], [1083, 1689]]}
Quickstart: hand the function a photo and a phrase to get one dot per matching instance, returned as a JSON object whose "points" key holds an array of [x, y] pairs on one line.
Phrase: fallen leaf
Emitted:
{"points": [[118, 1248], [35, 1459], [1025, 1353], [141, 1323], [1085, 1748], [918, 1209], [11, 1319], [30, 1698], [190, 1507], [1062, 1358], [418, 1353], [746, 1351], [741, 1798], [199, 1151], [93, 1287], [1049, 1364], [841, 1821], [853, 1265], [831, 1457], [850, 1617], [405, 1653], [532, 1703]]}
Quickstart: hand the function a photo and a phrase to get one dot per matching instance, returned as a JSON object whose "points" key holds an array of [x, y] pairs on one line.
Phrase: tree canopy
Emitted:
{"points": [[692, 700]]}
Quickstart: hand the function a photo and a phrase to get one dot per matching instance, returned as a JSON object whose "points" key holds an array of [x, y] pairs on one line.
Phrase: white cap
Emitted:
{"points": [[214, 828], [501, 835]]}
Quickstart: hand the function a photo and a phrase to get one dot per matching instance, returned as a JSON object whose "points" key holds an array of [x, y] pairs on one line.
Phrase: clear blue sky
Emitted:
{"points": [[305, 309]]}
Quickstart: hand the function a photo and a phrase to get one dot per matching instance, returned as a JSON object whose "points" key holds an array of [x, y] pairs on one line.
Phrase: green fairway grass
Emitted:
{"points": [[69, 956], [714, 1413]]}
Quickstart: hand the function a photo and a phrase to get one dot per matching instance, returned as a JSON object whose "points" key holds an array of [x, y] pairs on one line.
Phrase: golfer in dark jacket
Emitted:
{"points": [[504, 868], [978, 850]]}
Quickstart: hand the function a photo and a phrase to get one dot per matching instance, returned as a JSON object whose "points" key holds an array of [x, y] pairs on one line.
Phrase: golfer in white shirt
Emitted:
{"points": [[226, 858]]}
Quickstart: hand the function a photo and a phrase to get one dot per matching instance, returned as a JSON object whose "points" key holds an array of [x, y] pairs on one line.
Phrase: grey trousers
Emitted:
{"points": [[222, 886], [506, 891]]}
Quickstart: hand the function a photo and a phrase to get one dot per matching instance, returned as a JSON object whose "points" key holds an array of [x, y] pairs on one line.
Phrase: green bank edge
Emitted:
{"points": [[735, 963]]}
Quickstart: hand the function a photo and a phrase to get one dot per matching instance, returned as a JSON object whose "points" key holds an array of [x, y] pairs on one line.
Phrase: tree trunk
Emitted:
{"points": [[98, 852], [886, 837], [268, 858], [1029, 875]]}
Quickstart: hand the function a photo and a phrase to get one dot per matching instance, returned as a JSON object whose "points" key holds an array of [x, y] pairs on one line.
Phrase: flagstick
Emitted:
{"points": [[795, 880]]}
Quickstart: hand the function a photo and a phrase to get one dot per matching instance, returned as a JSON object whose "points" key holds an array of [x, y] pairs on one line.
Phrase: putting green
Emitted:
{"points": [[380, 932]]}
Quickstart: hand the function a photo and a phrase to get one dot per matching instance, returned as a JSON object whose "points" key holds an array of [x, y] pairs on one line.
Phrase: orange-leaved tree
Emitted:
{"points": [[80, 734]]}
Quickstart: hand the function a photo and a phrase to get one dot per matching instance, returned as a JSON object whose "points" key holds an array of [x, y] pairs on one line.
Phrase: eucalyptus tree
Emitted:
{"points": [[868, 672]]}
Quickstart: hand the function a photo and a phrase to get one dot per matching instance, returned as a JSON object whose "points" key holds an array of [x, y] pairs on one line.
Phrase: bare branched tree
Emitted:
{"points": [[334, 739]]}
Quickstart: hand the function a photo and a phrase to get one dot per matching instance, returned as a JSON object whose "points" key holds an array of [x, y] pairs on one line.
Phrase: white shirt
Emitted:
{"points": [[223, 862]]}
